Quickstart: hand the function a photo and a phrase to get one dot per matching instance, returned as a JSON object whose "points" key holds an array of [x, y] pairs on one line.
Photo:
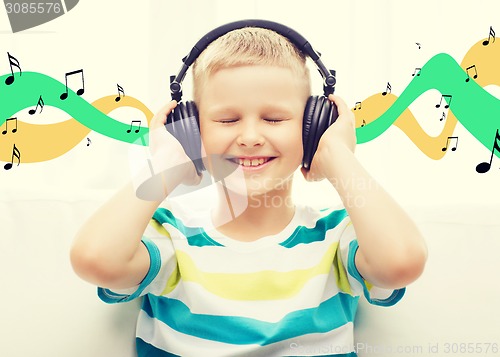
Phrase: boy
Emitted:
{"points": [[277, 279]]}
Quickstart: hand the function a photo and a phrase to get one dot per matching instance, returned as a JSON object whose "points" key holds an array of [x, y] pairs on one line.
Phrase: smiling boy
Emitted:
{"points": [[278, 279]]}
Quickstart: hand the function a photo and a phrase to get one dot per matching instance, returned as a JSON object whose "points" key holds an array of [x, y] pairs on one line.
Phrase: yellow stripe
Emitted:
{"points": [[172, 281], [159, 228], [262, 285], [341, 274], [174, 278]]}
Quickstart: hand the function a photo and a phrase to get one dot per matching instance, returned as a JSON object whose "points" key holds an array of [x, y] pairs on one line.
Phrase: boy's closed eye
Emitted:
{"points": [[271, 120]]}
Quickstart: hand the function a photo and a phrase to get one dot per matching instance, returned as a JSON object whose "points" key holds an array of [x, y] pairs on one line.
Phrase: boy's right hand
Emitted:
{"points": [[167, 160]]}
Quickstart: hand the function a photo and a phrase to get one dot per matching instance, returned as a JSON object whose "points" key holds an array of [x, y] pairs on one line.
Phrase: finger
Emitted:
{"points": [[343, 110], [339, 102], [308, 175], [304, 172], [168, 107], [161, 117]]}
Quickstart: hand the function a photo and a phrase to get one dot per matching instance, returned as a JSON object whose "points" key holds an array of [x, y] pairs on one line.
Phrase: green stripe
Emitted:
{"points": [[195, 236], [144, 349], [303, 235], [327, 316], [351, 354]]}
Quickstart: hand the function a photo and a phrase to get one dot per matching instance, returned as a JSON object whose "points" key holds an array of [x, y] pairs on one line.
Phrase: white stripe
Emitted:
{"points": [[200, 301], [163, 337], [63, 3], [274, 258]]}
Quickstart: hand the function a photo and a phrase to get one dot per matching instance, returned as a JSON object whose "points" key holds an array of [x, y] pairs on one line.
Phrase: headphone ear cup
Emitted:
{"points": [[194, 136], [322, 116], [175, 126], [184, 127], [187, 134], [306, 128]]}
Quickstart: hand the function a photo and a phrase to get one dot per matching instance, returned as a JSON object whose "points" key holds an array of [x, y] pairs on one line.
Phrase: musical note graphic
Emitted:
{"points": [[492, 33], [79, 91], [15, 153], [40, 103], [12, 62], [364, 123], [442, 72], [418, 44], [388, 89], [357, 106], [89, 142], [120, 90], [417, 72], [443, 117], [475, 74], [138, 127], [441, 100], [7, 126], [448, 142], [486, 166]]}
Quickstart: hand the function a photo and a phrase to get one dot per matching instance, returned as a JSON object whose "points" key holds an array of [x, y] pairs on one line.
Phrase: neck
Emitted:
{"points": [[248, 218]]}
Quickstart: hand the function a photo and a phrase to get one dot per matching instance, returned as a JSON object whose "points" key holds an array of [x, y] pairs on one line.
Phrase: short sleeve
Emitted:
{"points": [[348, 246], [163, 267]]}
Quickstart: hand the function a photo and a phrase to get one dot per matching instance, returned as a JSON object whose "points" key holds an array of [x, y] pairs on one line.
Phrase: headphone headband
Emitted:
{"points": [[298, 40]]}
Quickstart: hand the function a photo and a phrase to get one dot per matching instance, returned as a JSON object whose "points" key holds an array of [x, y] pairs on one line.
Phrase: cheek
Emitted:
{"points": [[290, 147], [210, 138], [292, 142], [214, 142], [296, 149]]}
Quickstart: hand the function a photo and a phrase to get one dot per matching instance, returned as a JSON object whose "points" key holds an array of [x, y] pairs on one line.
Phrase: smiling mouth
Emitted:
{"points": [[251, 162]]}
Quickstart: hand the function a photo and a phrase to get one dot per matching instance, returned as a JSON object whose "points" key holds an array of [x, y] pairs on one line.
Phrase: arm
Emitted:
{"points": [[392, 251], [107, 250]]}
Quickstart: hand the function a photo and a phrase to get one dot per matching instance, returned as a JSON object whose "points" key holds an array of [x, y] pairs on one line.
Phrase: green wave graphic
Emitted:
{"points": [[476, 109], [28, 87]]}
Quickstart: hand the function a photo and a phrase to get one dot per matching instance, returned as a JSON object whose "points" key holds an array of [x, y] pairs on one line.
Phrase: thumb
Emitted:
{"points": [[161, 117]]}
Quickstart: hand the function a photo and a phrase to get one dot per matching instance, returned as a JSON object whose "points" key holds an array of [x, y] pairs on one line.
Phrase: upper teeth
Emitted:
{"points": [[252, 162]]}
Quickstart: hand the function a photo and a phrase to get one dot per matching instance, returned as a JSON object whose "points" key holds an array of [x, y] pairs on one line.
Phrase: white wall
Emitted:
{"points": [[49, 311]]}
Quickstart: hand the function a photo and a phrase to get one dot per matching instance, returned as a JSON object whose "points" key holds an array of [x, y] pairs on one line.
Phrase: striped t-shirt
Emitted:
{"points": [[290, 294]]}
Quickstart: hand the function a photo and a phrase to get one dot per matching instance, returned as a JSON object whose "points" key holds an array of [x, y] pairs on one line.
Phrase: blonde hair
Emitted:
{"points": [[249, 46]]}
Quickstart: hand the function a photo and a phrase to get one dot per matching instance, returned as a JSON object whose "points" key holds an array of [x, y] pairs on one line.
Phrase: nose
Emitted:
{"points": [[250, 133]]}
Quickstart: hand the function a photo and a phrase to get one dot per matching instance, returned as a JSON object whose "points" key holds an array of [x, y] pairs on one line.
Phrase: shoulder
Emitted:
{"points": [[181, 215], [323, 218], [315, 225]]}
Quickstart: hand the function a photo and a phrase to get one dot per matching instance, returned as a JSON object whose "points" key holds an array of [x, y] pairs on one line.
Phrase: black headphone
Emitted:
{"points": [[319, 114]]}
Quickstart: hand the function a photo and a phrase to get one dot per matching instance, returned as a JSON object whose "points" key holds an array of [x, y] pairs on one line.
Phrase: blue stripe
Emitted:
{"points": [[195, 236], [329, 315], [111, 297], [144, 349], [396, 295], [351, 354], [303, 235]]}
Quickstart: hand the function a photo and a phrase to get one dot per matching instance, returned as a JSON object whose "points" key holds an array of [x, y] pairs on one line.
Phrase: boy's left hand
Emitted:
{"points": [[341, 135]]}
